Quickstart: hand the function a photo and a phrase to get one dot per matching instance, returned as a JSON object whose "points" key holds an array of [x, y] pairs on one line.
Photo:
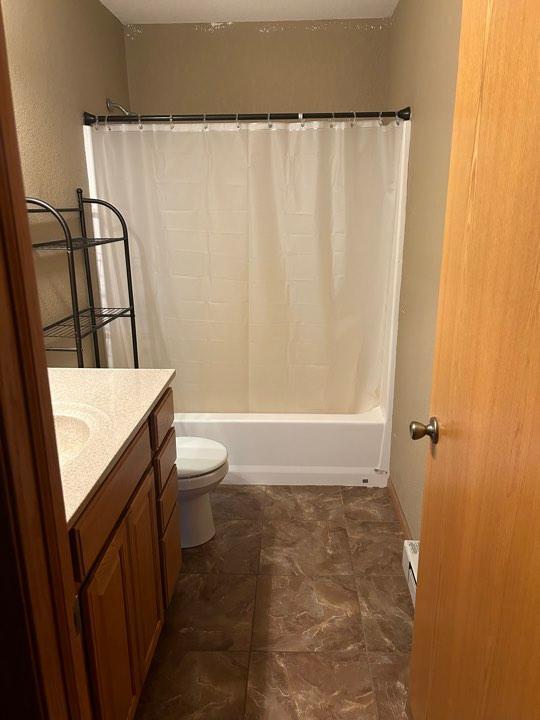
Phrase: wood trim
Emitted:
{"points": [[405, 529], [45, 673]]}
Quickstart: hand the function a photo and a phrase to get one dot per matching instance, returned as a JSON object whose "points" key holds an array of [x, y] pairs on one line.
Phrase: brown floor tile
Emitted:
{"points": [[303, 502], [298, 613], [237, 502], [211, 612], [368, 505], [390, 679], [309, 686], [234, 549], [384, 595], [388, 634], [376, 548], [310, 618], [304, 547], [195, 686], [387, 613]]}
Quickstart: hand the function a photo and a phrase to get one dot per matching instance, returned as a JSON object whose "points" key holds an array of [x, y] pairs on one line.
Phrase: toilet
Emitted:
{"points": [[202, 464]]}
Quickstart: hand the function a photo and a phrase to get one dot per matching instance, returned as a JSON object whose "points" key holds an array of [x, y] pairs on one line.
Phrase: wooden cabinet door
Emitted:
{"points": [[146, 575], [107, 605]]}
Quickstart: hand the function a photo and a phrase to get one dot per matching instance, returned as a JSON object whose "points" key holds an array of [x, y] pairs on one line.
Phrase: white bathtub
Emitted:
{"points": [[280, 449]]}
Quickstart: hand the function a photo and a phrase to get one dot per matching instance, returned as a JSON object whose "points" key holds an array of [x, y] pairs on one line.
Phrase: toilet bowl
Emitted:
{"points": [[202, 464]]}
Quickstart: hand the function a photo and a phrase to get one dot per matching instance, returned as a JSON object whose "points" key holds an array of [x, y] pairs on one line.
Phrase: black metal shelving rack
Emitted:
{"points": [[86, 321]]}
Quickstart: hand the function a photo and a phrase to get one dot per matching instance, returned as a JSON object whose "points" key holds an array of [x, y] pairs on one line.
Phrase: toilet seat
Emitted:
{"points": [[197, 457]]}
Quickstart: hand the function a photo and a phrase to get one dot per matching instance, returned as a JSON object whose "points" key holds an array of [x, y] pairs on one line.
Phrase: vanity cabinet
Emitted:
{"points": [[122, 608], [126, 558]]}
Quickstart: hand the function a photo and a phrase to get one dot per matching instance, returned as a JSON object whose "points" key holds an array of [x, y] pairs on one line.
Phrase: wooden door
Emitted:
{"points": [[43, 674], [476, 649], [144, 551], [109, 624]]}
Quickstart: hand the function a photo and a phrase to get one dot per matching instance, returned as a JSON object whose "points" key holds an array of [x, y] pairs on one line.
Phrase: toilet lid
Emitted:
{"points": [[198, 456]]}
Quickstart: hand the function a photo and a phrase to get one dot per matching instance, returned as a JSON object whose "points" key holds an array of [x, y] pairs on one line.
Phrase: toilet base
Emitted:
{"points": [[197, 522]]}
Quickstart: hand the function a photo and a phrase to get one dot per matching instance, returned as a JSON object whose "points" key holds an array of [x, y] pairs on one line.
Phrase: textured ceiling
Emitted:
{"points": [[195, 11]]}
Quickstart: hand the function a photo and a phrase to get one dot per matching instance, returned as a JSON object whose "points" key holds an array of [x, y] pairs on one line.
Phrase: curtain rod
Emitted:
{"points": [[89, 119]]}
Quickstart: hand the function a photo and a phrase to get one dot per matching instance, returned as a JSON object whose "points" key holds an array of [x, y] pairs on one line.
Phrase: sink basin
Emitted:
{"points": [[72, 434], [77, 428]]}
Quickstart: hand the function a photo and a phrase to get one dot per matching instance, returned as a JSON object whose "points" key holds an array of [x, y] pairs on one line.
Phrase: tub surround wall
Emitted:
{"points": [[258, 67], [424, 45]]}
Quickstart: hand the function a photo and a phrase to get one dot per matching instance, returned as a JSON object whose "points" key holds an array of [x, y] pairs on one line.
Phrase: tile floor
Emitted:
{"points": [[296, 610]]}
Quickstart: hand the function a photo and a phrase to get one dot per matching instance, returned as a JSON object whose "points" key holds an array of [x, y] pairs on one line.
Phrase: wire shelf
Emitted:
{"points": [[65, 328], [84, 322], [77, 243]]}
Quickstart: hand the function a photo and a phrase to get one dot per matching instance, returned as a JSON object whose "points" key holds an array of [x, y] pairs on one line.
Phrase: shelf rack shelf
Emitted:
{"points": [[77, 243], [87, 321], [90, 320]]}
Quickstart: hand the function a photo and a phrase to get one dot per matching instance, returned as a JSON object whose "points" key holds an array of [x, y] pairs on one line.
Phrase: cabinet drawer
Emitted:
{"points": [[161, 419], [167, 500], [165, 459], [90, 532], [171, 555]]}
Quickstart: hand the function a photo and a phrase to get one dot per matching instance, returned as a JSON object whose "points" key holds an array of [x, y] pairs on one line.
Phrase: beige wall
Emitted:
{"points": [[422, 73], [65, 56], [258, 67]]}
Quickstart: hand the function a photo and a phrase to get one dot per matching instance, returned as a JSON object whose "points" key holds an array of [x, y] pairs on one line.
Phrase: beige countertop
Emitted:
{"points": [[97, 412]]}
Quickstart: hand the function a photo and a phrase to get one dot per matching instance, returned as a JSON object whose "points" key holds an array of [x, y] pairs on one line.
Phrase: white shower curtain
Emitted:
{"points": [[263, 258]]}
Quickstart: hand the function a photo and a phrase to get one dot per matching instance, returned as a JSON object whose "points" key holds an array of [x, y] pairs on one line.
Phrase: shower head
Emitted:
{"points": [[111, 105]]}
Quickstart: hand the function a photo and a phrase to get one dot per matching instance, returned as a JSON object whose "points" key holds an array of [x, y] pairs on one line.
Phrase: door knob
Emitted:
{"points": [[419, 430]]}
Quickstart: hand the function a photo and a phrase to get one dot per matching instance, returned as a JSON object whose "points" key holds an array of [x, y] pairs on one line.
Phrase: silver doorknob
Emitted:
{"points": [[419, 430]]}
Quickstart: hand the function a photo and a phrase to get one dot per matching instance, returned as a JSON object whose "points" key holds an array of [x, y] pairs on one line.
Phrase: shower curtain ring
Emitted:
{"points": [[398, 120], [301, 118], [96, 123], [237, 123], [140, 123], [380, 119], [353, 121], [107, 122], [333, 120], [205, 124], [269, 123], [171, 121]]}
